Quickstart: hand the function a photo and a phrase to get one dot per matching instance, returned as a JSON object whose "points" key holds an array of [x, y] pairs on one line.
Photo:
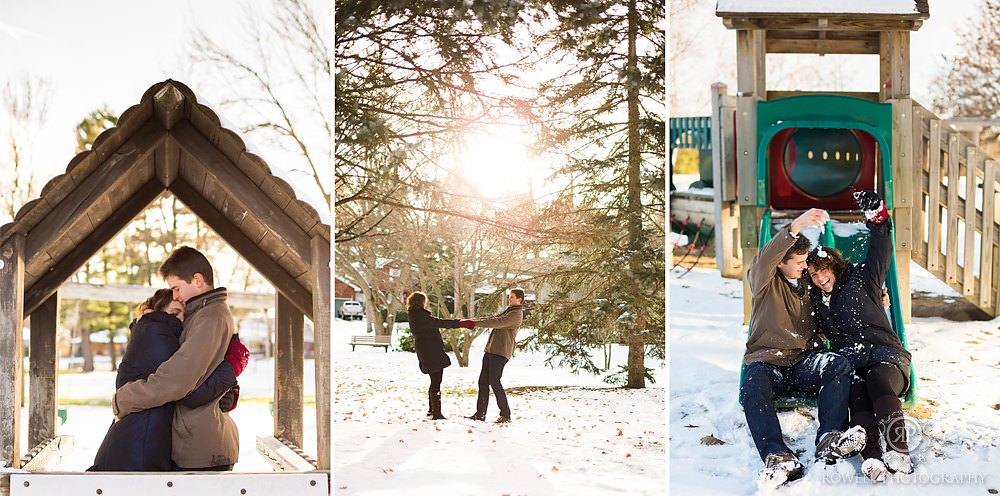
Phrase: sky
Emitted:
{"points": [[711, 56], [109, 52]]}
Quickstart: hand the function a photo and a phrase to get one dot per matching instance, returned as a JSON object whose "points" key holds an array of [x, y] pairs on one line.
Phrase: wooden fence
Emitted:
{"points": [[956, 210]]}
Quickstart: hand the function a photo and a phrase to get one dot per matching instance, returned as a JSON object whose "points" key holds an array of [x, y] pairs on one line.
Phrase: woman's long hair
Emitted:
{"points": [[160, 299], [416, 301]]}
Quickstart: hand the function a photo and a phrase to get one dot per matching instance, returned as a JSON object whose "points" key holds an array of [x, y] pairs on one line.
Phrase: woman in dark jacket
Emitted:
{"points": [[142, 441], [430, 348], [848, 300]]}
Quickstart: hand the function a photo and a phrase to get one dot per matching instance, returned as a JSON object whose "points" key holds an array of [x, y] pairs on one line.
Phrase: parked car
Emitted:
{"points": [[351, 310]]}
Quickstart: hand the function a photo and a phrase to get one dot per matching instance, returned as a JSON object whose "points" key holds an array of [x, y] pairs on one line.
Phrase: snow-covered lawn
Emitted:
{"points": [[88, 424], [958, 365], [570, 435]]}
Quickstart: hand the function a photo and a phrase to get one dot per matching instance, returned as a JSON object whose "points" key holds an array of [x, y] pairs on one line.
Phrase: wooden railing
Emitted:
{"points": [[956, 210]]}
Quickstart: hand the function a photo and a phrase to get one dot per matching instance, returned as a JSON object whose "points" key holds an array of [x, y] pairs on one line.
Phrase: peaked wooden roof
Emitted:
{"points": [[168, 142]]}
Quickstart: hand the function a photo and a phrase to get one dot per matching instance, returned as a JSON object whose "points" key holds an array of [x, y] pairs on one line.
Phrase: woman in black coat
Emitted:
{"points": [[142, 441], [430, 347], [848, 300]]}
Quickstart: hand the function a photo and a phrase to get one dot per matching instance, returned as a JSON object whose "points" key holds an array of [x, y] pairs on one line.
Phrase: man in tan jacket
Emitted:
{"points": [[205, 437], [499, 349]]}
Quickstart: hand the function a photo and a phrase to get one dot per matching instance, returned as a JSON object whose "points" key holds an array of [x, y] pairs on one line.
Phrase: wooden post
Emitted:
{"points": [[904, 170], [727, 249], [934, 199], [11, 352], [989, 212], [320, 251], [751, 51], [969, 245], [44, 383], [288, 370]]}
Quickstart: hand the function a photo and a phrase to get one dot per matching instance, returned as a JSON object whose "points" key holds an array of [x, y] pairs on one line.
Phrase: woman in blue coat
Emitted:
{"points": [[142, 441], [430, 348]]}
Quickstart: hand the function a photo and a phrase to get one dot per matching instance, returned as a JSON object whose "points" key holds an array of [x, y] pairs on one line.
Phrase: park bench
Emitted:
{"points": [[363, 340]]}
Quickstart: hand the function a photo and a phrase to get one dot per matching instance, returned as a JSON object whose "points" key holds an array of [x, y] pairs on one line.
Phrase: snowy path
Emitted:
{"points": [[958, 364], [571, 435]]}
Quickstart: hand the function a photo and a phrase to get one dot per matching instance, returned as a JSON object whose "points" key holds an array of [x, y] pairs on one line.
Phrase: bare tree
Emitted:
{"points": [[280, 80], [25, 101]]}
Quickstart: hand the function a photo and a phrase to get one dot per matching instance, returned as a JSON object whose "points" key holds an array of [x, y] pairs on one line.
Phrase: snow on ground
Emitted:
{"points": [[570, 435], [86, 397], [956, 363]]}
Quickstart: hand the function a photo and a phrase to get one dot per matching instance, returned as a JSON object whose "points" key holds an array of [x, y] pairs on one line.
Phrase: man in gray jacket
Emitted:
{"points": [[499, 349]]}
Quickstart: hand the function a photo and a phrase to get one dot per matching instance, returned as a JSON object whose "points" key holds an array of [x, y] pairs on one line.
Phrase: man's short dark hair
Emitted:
{"points": [[184, 263], [518, 292], [800, 247]]}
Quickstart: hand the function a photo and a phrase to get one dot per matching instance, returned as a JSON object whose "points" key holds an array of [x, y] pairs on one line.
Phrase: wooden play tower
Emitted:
{"points": [[167, 143], [943, 187]]}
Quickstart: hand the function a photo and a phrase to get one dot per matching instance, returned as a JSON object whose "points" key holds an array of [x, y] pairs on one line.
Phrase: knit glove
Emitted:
{"points": [[872, 205], [237, 355], [229, 400]]}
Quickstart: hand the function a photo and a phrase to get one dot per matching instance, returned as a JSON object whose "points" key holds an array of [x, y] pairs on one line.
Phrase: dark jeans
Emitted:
{"points": [[434, 391], [828, 373], [489, 377]]}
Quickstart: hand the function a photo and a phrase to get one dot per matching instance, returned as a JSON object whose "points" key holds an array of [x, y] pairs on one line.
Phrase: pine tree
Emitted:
{"points": [[607, 113]]}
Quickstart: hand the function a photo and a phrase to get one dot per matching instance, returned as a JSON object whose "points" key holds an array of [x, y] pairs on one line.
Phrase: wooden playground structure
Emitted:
{"points": [[943, 187], [168, 142]]}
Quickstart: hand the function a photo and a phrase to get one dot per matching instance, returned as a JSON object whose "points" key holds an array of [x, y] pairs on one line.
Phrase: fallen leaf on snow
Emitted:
{"points": [[619, 432], [711, 440], [997, 406], [555, 468]]}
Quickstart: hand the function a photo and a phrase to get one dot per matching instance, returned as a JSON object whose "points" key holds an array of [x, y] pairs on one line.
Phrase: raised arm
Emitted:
{"points": [[511, 318], [765, 263], [879, 257]]}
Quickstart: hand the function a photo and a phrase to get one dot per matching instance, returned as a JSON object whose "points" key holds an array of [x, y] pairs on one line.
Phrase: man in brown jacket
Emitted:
{"points": [[204, 438], [785, 353], [499, 349]]}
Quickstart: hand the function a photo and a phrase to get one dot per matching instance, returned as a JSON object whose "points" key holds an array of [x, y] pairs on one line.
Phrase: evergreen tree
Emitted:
{"points": [[606, 229]]}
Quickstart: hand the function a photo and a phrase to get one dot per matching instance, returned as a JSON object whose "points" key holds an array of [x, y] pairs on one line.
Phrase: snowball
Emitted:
{"points": [[822, 253]]}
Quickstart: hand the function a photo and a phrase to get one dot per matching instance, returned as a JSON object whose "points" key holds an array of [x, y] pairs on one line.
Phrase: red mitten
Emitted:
{"points": [[467, 323], [872, 205], [237, 355]]}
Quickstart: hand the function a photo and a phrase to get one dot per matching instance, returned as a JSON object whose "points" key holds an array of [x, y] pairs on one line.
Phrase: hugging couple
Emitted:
{"points": [[819, 325], [176, 383]]}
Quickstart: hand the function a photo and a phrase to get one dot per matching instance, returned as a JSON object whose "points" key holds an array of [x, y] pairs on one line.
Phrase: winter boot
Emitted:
{"points": [[835, 445], [436, 408], [503, 419], [897, 453], [875, 470], [780, 468], [477, 416]]}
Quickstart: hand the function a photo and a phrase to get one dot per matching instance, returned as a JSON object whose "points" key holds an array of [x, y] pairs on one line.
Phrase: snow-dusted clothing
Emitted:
{"points": [[203, 436], [822, 371], [505, 325], [783, 327], [855, 322], [142, 441], [427, 339]]}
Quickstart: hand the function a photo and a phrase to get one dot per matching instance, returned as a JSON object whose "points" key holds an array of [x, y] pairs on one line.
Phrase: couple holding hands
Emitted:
{"points": [[499, 348], [819, 325]]}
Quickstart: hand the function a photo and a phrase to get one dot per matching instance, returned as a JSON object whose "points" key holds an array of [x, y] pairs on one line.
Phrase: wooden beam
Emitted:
{"points": [[261, 261], [951, 243], [61, 270], [314, 483], [288, 371], [809, 22], [857, 47], [934, 198], [242, 192], [322, 324], [283, 458], [133, 293], [70, 216], [47, 454], [168, 105], [11, 348], [44, 372], [969, 245], [864, 95], [989, 211]]}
